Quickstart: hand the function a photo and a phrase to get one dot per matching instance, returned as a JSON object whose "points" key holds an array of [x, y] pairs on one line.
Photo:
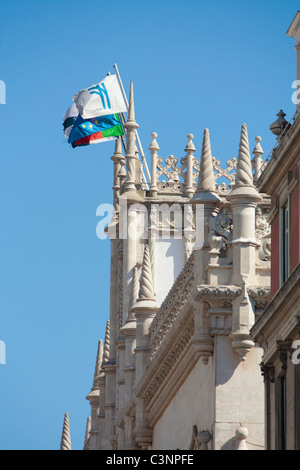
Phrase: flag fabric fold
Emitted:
{"points": [[102, 99], [70, 119]]}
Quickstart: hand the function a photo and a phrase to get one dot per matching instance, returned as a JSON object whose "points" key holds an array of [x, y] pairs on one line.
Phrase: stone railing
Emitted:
{"points": [[180, 175], [171, 306]]}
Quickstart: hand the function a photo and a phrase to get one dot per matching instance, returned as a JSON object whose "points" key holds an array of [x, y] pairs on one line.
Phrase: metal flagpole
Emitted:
{"points": [[137, 136], [123, 121]]}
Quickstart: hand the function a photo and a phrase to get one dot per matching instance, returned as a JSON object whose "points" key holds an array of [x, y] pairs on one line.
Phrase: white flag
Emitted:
{"points": [[101, 99]]}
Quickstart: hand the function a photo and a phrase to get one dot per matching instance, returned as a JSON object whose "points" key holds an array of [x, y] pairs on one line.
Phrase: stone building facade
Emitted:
{"points": [[202, 346], [190, 270]]}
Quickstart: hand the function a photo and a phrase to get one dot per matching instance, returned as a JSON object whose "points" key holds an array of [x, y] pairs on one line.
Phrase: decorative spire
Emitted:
{"points": [[134, 293], [132, 161], [190, 149], [146, 291], [98, 362], [65, 443], [258, 148], [131, 111], [206, 180], [154, 147], [106, 343], [257, 152], [87, 434], [244, 168], [206, 188]]}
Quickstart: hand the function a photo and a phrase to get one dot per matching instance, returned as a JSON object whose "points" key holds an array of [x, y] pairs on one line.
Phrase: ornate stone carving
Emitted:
{"points": [[201, 439], [241, 435], [146, 282], [220, 231], [260, 295], [106, 344], [223, 292], [244, 168], [65, 443], [268, 372], [263, 233], [164, 368], [284, 347], [172, 172], [206, 177], [228, 173]]}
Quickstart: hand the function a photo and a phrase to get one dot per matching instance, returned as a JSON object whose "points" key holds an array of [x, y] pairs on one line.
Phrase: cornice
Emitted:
{"points": [[275, 315], [221, 292]]}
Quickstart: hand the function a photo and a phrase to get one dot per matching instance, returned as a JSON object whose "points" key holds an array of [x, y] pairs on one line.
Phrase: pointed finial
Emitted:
{"points": [[99, 360], [131, 111], [146, 291], [118, 147], [87, 433], [134, 293], [258, 148], [206, 187], [280, 124], [65, 443], [206, 180], [244, 167], [154, 145], [106, 343], [190, 145]]}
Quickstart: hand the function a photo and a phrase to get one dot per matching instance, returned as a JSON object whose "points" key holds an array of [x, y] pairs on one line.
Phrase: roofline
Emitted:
{"points": [[291, 31]]}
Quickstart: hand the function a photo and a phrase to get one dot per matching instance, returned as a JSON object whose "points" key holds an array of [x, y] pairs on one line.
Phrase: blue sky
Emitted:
{"points": [[194, 64]]}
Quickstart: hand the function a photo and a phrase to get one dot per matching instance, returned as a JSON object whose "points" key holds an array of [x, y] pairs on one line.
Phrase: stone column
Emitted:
{"points": [[153, 149], [129, 333], [93, 398], [103, 437], [144, 310], [244, 199], [190, 149], [205, 200], [102, 443]]}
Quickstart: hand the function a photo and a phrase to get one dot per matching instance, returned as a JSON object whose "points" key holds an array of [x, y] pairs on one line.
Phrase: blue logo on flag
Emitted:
{"points": [[102, 92]]}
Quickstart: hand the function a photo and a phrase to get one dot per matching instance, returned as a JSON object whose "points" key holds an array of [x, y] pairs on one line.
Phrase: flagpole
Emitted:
{"points": [[137, 136]]}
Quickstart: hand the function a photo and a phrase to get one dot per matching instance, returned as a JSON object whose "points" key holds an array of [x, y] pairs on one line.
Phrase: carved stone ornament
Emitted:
{"points": [[220, 231], [171, 172], [172, 177], [228, 173], [222, 292], [263, 233], [268, 372], [260, 295], [201, 439]]}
